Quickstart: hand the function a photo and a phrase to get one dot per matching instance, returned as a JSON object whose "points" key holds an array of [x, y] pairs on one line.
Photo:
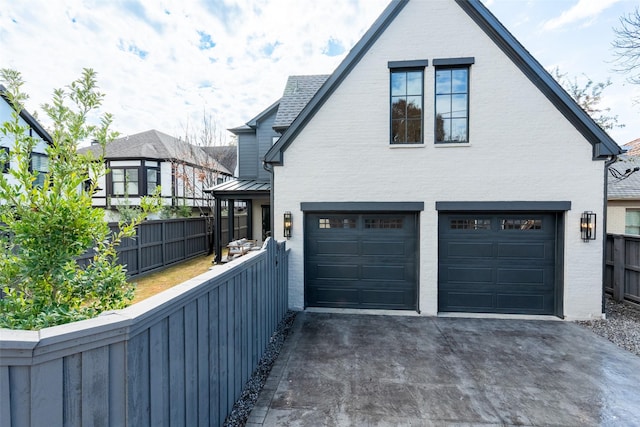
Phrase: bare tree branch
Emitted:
{"points": [[627, 46]]}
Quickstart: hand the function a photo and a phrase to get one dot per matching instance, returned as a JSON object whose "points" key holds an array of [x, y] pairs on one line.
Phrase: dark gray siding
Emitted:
{"points": [[252, 146], [247, 156], [265, 134]]}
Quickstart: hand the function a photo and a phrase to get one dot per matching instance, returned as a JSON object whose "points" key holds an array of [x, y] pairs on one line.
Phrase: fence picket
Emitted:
{"points": [[622, 267]]}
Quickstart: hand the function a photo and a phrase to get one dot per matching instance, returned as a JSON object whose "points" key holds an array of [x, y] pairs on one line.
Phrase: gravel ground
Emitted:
{"points": [[241, 409], [621, 327]]}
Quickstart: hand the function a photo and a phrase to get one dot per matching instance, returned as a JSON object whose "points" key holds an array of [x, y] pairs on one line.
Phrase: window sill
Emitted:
{"points": [[451, 144], [406, 145]]}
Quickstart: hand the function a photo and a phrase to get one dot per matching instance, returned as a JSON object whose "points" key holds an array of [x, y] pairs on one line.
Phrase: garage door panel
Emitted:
{"points": [[384, 272], [337, 271], [468, 275], [469, 250], [526, 250], [385, 298], [497, 263], [334, 297], [335, 247], [361, 260], [522, 302], [467, 301], [393, 248], [521, 276]]}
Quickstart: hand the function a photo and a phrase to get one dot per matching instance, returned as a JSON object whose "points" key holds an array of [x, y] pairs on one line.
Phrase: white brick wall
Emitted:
{"points": [[521, 149]]}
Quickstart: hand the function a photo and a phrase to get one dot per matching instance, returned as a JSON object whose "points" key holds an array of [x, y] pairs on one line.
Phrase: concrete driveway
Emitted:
{"points": [[370, 370]]}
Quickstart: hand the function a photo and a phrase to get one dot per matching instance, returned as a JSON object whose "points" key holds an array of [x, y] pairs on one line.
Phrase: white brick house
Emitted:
{"points": [[476, 210]]}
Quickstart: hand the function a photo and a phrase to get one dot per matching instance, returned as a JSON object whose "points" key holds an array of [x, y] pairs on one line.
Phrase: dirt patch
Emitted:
{"points": [[154, 283]]}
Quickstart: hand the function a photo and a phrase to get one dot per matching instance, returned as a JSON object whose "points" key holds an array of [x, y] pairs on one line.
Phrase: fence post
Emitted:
{"points": [[618, 267]]}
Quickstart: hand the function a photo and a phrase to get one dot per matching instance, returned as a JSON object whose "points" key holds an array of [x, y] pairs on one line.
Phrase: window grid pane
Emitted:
{"points": [[326, 223], [470, 224], [521, 224], [406, 106], [387, 223], [452, 105], [4, 159]]}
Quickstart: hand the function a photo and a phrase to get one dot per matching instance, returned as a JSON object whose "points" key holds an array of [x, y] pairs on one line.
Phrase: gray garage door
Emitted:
{"points": [[361, 260], [497, 263]]}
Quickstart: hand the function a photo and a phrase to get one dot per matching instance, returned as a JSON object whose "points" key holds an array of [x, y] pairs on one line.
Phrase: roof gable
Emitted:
{"points": [[29, 119], [252, 124], [602, 144]]}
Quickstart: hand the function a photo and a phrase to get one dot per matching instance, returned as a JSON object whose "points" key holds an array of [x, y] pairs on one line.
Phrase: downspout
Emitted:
{"points": [[269, 168], [607, 164]]}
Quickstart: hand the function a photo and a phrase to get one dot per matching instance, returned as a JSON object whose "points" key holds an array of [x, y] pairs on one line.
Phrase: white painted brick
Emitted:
{"points": [[522, 149]]}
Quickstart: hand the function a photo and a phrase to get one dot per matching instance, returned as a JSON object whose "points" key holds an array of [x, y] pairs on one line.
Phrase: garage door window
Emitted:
{"points": [[520, 224], [470, 224], [383, 223], [336, 222]]}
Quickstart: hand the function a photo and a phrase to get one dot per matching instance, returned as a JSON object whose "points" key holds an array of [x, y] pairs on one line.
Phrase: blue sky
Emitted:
{"points": [[163, 63]]}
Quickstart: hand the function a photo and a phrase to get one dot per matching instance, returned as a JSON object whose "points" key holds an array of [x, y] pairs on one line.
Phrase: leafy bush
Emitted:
{"points": [[45, 226]]}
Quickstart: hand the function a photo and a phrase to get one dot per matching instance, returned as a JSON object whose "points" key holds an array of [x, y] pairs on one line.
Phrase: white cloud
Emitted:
{"points": [[584, 11], [149, 59]]}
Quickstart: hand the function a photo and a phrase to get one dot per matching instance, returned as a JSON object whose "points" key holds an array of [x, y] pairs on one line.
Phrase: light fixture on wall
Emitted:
{"points": [[288, 222], [588, 226]]}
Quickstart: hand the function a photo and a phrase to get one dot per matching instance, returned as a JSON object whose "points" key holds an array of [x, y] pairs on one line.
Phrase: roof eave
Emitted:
{"points": [[603, 145], [29, 119]]}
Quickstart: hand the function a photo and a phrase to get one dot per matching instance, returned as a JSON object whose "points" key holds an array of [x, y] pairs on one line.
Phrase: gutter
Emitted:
{"points": [[607, 164], [269, 168]]}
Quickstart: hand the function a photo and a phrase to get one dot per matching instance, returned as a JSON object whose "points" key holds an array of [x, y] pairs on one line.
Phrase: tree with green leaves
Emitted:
{"points": [[46, 224], [588, 95]]}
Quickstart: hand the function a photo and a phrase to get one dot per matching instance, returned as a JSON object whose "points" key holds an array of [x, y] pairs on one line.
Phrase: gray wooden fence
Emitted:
{"points": [[622, 271], [180, 358], [159, 243]]}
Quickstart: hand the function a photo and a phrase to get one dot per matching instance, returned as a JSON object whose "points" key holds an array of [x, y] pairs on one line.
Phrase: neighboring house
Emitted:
{"points": [[138, 163], [428, 174], [623, 195], [632, 148], [255, 138], [39, 159]]}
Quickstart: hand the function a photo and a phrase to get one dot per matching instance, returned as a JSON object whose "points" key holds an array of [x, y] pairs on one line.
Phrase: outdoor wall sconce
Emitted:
{"points": [[588, 226], [287, 224]]}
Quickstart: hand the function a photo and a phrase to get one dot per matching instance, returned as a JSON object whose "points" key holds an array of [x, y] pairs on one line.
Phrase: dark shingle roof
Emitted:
{"points": [[226, 155], [628, 188], [153, 144], [297, 93]]}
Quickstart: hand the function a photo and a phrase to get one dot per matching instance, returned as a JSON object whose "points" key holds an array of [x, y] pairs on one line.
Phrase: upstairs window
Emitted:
{"points": [[4, 159], [39, 165], [153, 176], [407, 97], [452, 100], [125, 181]]}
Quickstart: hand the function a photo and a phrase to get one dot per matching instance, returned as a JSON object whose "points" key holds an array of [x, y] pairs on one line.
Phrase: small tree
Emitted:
{"points": [[206, 144], [588, 95], [45, 227]]}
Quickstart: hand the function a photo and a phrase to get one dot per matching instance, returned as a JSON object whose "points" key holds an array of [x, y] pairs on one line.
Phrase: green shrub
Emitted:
{"points": [[45, 227]]}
